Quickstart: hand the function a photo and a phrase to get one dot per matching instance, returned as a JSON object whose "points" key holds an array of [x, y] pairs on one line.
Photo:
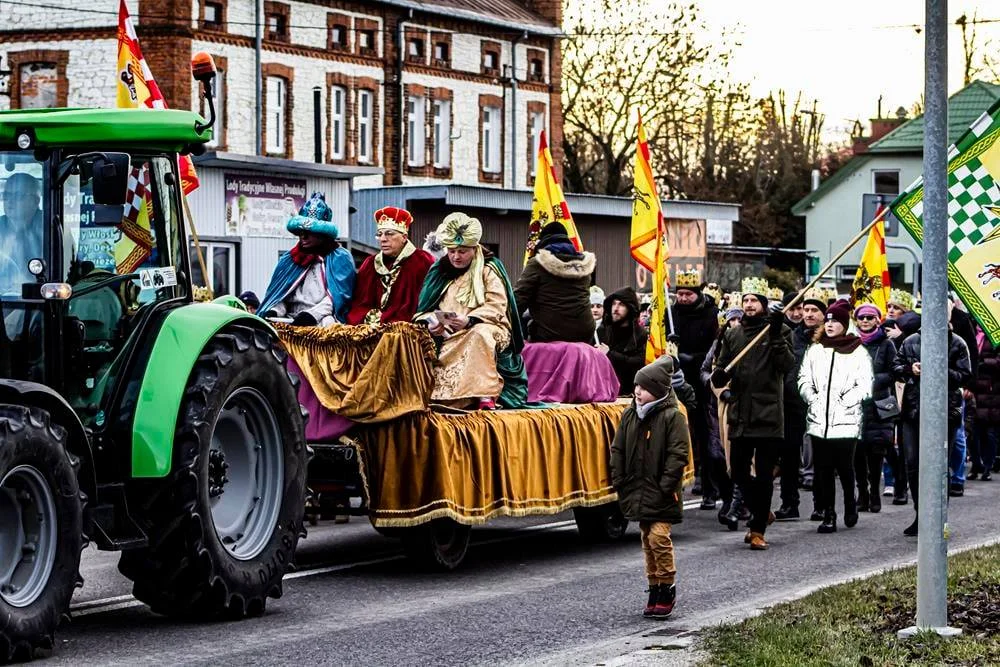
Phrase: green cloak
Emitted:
{"points": [[510, 364]]}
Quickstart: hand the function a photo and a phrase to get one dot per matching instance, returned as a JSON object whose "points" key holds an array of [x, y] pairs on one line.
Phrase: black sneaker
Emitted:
{"points": [[986, 476], [787, 513], [956, 491], [816, 516], [901, 500], [911, 530], [707, 503]]}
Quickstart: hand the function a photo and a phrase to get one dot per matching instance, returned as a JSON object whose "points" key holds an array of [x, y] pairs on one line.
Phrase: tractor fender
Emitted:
{"points": [[181, 339], [19, 392]]}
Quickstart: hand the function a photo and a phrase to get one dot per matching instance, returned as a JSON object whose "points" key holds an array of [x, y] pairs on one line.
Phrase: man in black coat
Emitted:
{"points": [[696, 324], [756, 411], [622, 338]]}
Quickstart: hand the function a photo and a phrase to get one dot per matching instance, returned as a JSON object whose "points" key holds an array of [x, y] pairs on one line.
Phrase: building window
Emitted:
{"points": [[276, 21], [213, 14], [366, 41], [338, 37], [415, 49], [365, 125], [338, 122], [885, 182], [218, 128], [491, 62], [38, 85], [442, 134], [491, 139], [220, 260], [536, 70], [536, 123], [442, 53], [277, 94], [415, 131]]}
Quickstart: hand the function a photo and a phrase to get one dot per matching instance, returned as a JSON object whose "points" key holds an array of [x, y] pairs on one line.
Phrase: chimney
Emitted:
{"points": [[815, 180], [883, 126]]}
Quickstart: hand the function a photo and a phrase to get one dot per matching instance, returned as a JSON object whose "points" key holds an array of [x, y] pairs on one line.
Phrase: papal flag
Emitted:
{"points": [[871, 283], [973, 219], [649, 244], [548, 204]]}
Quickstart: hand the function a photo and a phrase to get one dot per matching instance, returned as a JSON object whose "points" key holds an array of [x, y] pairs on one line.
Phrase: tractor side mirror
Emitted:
{"points": [[110, 172]]}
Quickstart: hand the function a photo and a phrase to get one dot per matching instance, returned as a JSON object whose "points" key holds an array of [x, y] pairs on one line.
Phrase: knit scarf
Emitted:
{"points": [[874, 336], [303, 258], [844, 343], [643, 410]]}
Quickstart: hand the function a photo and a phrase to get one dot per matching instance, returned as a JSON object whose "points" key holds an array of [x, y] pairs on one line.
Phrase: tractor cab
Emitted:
{"points": [[90, 240]]}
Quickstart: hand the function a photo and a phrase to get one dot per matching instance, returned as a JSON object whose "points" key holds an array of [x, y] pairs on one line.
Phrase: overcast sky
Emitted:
{"points": [[844, 53]]}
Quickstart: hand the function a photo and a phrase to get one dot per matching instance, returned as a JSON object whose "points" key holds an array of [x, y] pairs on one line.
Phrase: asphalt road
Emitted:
{"points": [[530, 591]]}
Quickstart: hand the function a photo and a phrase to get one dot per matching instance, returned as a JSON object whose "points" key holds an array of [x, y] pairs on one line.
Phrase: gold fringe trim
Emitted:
{"points": [[362, 338]]}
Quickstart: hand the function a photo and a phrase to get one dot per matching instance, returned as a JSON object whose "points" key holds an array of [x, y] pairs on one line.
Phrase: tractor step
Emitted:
{"points": [[112, 527]]}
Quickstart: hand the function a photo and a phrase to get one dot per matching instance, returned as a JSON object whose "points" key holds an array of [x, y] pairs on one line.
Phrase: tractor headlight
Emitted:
{"points": [[24, 141], [36, 267], [57, 291]]}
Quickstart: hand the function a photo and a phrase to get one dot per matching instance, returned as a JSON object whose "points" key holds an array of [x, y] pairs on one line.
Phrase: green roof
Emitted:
{"points": [[964, 107], [157, 129]]}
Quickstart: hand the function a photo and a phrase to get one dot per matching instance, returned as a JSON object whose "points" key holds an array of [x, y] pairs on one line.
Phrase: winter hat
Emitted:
{"points": [[596, 296], [553, 229], [867, 309], [734, 312], [250, 299], [656, 377], [839, 311], [788, 298]]}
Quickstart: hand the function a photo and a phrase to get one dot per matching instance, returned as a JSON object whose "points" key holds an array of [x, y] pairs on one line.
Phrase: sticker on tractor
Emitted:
{"points": [[156, 278]]}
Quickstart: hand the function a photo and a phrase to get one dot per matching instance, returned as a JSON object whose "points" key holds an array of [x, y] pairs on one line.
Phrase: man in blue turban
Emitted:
{"points": [[314, 281]]}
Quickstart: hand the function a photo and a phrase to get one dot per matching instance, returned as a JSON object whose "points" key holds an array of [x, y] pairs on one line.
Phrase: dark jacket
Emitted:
{"points": [[964, 327], [648, 457], [626, 341], [696, 327], [802, 338], [555, 290], [756, 408], [987, 386], [959, 375], [878, 433]]}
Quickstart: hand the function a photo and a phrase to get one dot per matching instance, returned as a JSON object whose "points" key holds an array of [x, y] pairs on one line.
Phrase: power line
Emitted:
{"points": [[389, 32]]}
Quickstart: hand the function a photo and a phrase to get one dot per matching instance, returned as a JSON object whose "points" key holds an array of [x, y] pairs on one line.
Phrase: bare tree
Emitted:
{"points": [[977, 57]]}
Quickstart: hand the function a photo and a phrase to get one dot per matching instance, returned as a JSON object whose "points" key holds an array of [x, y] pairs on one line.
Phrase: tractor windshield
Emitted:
{"points": [[22, 221]]}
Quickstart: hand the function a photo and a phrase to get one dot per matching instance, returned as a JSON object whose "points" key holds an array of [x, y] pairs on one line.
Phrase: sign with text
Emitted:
{"points": [[262, 205]]}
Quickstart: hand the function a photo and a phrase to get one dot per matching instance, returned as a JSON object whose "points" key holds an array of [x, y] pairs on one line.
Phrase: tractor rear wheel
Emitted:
{"points": [[603, 523], [224, 525], [41, 530]]}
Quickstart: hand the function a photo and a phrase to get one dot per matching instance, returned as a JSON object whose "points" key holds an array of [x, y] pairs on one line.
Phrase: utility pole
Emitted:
{"points": [[259, 77], [932, 547]]}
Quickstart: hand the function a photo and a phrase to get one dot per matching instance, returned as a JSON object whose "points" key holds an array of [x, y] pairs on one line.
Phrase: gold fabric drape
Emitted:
{"points": [[476, 466], [367, 374]]}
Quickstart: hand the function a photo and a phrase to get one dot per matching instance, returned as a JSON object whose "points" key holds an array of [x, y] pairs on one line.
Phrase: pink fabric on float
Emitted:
{"points": [[569, 373], [323, 425]]}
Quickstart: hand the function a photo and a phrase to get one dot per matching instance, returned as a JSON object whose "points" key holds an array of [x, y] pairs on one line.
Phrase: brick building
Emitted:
{"points": [[435, 91]]}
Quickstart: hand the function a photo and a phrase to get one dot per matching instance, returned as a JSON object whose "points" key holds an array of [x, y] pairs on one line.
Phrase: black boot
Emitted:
{"points": [[816, 515], [850, 518], [654, 592], [829, 524], [665, 600], [911, 530], [876, 504], [787, 513], [864, 502], [731, 520]]}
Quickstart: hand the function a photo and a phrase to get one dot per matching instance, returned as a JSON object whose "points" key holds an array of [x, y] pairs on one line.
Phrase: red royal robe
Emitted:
{"points": [[403, 296]]}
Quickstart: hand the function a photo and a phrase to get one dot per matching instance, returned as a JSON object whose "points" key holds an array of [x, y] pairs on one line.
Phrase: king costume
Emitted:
{"points": [[388, 288], [482, 361], [308, 285]]}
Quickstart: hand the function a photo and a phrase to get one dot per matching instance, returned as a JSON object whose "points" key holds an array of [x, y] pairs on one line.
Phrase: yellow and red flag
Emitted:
{"points": [[548, 204], [649, 245], [871, 283]]}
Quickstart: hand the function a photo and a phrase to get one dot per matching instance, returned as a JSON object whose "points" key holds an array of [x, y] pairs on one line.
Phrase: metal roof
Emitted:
{"points": [[507, 14], [224, 160]]}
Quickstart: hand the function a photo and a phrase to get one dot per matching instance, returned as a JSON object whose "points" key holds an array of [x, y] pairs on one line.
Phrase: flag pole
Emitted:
{"points": [[197, 243], [801, 295]]}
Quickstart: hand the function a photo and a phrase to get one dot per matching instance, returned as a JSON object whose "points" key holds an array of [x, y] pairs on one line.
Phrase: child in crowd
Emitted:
{"points": [[648, 457]]}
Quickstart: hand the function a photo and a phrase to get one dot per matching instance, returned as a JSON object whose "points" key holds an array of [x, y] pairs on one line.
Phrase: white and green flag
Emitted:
{"points": [[973, 219]]}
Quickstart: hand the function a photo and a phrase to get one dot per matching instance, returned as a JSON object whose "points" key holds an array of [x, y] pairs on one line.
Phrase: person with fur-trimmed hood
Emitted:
{"points": [[621, 336], [555, 289]]}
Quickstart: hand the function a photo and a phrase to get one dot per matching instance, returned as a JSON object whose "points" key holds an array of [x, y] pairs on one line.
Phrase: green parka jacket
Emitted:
{"points": [[648, 457]]}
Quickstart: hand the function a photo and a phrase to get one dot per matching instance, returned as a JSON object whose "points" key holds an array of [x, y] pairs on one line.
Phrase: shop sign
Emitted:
{"points": [[262, 205]]}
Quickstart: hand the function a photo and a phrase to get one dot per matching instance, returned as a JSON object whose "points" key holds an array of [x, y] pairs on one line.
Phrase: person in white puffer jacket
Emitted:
{"points": [[835, 378]]}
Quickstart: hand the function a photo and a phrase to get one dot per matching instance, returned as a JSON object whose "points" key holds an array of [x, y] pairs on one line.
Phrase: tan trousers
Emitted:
{"points": [[659, 551]]}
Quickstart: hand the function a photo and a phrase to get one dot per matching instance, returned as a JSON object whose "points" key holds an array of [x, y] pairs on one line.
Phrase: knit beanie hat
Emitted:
{"points": [[656, 377], [734, 312], [787, 299], [867, 309], [839, 311]]}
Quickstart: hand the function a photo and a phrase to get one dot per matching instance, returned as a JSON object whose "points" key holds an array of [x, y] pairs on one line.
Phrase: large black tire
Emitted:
{"points": [[38, 488], [188, 570], [603, 523], [439, 545]]}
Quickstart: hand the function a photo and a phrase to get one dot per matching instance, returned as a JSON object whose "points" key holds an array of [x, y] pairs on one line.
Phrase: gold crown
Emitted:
{"points": [[734, 300], [714, 291], [775, 293], [689, 278], [815, 294], [754, 286], [901, 298]]}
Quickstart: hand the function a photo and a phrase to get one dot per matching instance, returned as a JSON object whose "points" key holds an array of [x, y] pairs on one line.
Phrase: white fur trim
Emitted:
{"points": [[574, 268]]}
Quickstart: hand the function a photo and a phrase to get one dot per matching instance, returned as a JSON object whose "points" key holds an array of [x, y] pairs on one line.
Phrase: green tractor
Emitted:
{"points": [[129, 415]]}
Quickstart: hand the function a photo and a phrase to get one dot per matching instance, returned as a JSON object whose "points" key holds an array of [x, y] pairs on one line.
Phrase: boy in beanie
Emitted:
{"points": [[648, 457]]}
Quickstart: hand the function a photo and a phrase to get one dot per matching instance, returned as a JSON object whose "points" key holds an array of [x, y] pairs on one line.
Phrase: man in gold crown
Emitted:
{"points": [[468, 304], [389, 283], [696, 324], [756, 403]]}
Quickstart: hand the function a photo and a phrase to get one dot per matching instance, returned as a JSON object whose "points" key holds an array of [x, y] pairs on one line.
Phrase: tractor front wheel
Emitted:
{"points": [[224, 526], [41, 530]]}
